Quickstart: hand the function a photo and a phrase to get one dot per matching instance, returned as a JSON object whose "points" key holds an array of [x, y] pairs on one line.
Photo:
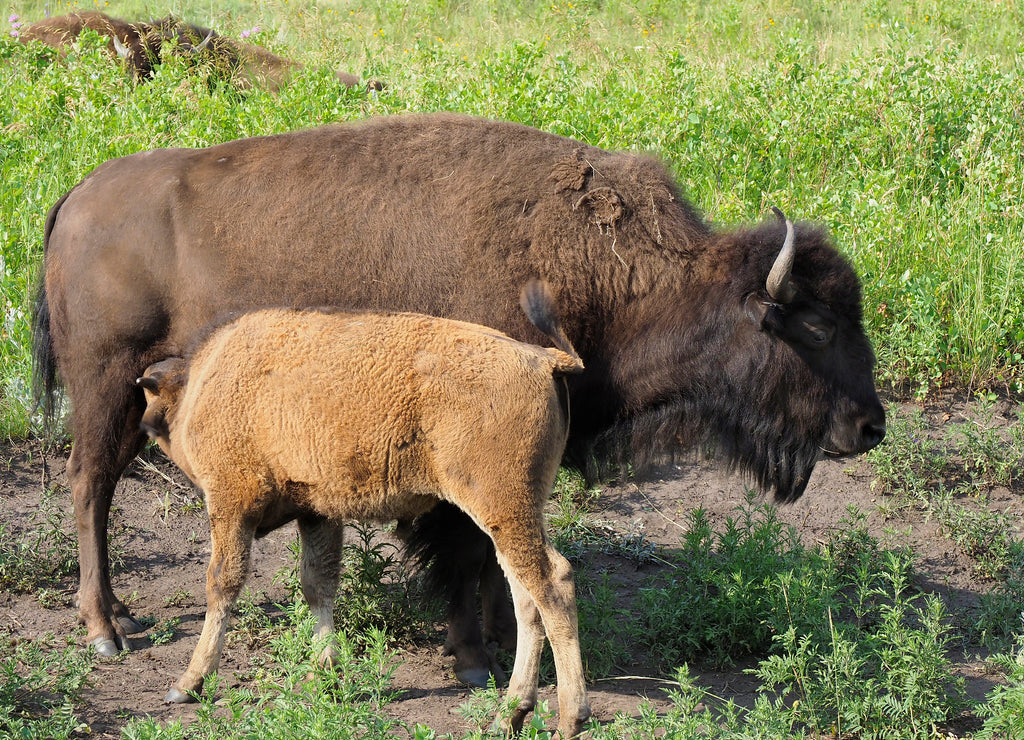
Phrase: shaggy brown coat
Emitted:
{"points": [[326, 418], [141, 44], [449, 215]]}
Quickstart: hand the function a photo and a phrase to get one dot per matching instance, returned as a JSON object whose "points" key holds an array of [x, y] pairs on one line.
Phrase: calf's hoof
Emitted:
{"points": [[177, 696], [571, 732]]}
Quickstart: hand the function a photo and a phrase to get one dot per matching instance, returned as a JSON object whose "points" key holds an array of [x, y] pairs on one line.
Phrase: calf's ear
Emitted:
{"points": [[162, 375]]}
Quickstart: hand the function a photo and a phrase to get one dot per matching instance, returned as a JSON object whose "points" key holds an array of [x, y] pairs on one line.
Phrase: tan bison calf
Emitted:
{"points": [[328, 417]]}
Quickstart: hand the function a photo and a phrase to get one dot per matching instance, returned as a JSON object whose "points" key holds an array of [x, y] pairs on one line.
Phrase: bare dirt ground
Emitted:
{"points": [[161, 543]]}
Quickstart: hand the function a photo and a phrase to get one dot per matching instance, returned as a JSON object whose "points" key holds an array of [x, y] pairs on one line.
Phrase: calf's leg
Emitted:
{"points": [[231, 545], [321, 562], [543, 592]]}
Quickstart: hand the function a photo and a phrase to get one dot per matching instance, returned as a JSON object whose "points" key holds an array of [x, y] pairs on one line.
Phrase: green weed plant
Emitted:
{"points": [[41, 681]]}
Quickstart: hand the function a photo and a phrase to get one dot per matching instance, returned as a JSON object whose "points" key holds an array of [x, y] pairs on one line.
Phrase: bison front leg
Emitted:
{"points": [[321, 562], [231, 545], [455, 555]]}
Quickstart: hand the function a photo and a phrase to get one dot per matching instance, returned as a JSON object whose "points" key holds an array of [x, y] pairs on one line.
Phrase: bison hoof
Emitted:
{"points": [[177, 696], [130, 626], [107, 648]]}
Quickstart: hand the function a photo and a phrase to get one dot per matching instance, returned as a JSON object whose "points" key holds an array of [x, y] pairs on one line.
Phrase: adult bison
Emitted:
{"points": [[747, 340]]}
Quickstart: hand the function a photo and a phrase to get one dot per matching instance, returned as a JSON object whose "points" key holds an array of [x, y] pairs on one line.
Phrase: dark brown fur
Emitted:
{"points": [[247, 65], [448, 215]]}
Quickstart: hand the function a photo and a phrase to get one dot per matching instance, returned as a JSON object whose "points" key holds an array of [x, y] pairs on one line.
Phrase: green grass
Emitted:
{"points": [[36, 556], [40, 683]]}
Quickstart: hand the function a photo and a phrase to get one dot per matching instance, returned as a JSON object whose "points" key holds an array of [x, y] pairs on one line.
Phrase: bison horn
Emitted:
{"points": [[205, 42], [122, 50], [779, 286]]}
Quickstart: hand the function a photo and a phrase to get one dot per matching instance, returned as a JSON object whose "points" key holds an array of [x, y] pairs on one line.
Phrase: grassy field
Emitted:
{"points": [[896, 124]]}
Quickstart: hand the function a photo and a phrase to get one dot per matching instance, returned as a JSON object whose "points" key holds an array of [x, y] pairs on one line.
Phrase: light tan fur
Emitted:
{"points": [[328, 417]]}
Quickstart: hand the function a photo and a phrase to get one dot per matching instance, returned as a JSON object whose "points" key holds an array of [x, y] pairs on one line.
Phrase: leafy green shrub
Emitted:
{"points": [[40, 684], [891, 680], [909, 465], [295, 698], [376, 592], [1004, 709], [41, 556], [732, 590]]}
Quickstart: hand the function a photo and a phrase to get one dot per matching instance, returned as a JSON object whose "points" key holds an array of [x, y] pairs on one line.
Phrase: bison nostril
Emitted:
{"points": [[872, 434]]}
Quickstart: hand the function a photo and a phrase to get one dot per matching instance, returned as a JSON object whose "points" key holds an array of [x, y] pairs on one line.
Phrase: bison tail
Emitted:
{"points": [[44, 361], [538, 304]]}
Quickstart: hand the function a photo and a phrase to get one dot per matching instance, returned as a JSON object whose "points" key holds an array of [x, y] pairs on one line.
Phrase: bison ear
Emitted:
{"points": [[763, 312]]}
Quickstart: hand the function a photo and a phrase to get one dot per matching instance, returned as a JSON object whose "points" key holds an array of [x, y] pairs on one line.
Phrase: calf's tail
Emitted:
{"points": [[538, 304]]}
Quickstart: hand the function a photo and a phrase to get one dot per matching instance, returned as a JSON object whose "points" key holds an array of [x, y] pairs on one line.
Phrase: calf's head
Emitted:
{"points": [[162, 383]]}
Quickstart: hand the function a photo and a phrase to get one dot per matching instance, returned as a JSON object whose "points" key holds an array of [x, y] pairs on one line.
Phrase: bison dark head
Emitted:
{"points": [[762, 358]]}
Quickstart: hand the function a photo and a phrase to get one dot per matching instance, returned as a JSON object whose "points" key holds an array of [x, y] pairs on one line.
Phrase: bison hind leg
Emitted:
{"points": [[455, 557], [105, 424]]}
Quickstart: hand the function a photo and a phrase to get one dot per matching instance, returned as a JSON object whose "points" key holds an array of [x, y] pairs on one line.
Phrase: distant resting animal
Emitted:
{"points": [[141, 45]]}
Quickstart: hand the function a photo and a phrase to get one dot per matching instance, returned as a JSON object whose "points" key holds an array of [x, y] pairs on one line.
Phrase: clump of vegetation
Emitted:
{"points": [[40, 684], [375, 591], [577, 530], [950, 477], [731, 590], [37, 557], [295, 698], [1004, 709]]}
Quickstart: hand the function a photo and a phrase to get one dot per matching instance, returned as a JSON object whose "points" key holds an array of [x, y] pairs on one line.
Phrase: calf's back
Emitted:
{"points": [[366, 416]]}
